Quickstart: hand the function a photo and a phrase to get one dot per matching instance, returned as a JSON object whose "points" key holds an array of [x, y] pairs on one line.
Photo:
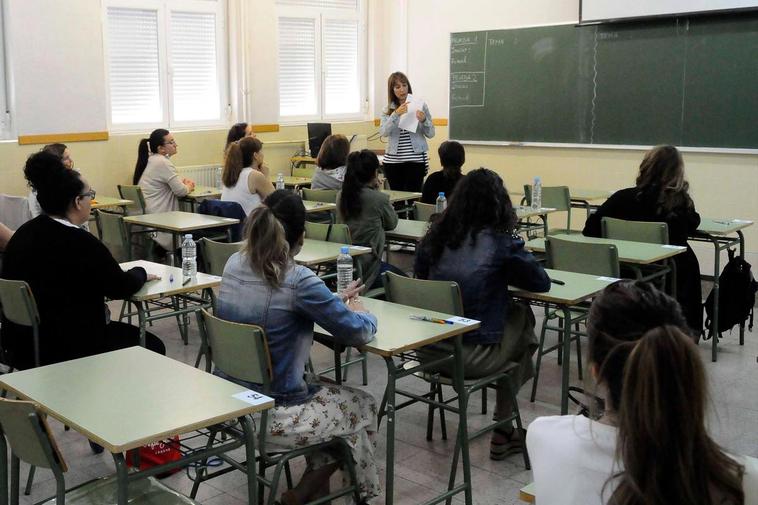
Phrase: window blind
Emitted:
{"points": [[133, 67], [341, 77], [297, 67], [322, 4]]}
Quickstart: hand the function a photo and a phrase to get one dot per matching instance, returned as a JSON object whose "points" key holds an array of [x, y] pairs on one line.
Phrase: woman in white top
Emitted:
{"points": [[245, 178], [650, 446], [156, 175]]}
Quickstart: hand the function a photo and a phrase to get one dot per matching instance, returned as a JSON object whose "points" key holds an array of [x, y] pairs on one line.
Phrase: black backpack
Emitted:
{"points": [[737, 289]]}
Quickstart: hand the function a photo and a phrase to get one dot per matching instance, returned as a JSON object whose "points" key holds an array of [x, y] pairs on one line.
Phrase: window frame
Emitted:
{"points": [[319, 15], [164, 8]]}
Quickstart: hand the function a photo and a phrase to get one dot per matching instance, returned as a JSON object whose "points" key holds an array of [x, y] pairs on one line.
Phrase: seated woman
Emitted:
{"points": [[70, 274], [262, 285], [245, 178], [237, 132], [662, 194], [452, 157], [331, 163], [651, 445], [62, 152], [473, 244], [156, 175], [366, 211]]}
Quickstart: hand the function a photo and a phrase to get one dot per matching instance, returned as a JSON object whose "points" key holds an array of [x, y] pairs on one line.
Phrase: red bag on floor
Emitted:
{"points": [[155, 454]]}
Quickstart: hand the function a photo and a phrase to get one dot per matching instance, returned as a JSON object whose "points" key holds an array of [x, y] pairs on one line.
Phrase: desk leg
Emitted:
{"points": [[544, 224], [389, 395], [715, 320], [122, 477], [252, 475], [3, 470], [172, 253], [566, 365], [141, 308], [742, 255], [462, 420], [128, 240]]}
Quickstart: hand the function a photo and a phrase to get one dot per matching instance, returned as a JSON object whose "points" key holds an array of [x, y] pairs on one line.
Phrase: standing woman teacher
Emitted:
{"points": [[406, 159]]}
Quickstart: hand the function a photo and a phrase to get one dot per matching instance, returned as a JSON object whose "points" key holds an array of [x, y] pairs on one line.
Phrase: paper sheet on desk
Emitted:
{"points": [[409, 121]]}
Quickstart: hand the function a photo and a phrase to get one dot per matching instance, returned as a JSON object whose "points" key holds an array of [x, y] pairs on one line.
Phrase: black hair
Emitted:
{"points": [[236, 132], [147, 147], [56, 186], [452, 157], [362, 167], [57, 149]]}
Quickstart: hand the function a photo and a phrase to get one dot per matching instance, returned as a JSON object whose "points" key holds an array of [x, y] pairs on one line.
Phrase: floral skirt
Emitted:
{"points": [[334, 411]]}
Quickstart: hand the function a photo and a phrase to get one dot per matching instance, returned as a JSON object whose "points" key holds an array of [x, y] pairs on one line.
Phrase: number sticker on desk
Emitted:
{"points": [[252, 397], [462, 320]]}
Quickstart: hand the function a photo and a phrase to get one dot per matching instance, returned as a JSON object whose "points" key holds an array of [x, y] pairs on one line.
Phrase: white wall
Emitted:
{"points": [[57, 66]]}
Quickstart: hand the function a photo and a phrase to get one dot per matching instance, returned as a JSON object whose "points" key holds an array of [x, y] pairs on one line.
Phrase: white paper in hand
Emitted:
{"points": [[409, 121]]}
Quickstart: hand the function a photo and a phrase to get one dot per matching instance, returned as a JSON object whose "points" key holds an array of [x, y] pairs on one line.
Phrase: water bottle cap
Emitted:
{"points": [[537, 178], [345, 250], [442, 193], [188, 235]]}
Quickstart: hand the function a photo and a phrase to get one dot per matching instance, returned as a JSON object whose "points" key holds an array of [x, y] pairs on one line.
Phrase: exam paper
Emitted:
{"points": [[409, 121]]}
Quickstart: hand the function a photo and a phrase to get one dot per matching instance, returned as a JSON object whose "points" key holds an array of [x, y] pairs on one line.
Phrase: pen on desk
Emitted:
{"points": [[723, 222], [171, 278], [186, 281], [558, 281], [430, 319]]}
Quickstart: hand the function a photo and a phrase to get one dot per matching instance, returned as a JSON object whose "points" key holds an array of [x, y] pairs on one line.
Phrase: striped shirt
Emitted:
{"points": [[405, 152]]}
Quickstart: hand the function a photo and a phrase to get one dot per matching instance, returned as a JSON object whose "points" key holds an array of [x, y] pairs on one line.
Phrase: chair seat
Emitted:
{"points": [[563, 231], [445, 380], [573, 314], [147, 491]]}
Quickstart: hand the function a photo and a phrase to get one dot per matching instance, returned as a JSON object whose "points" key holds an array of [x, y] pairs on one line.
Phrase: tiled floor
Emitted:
{"points": [[421, 467]]}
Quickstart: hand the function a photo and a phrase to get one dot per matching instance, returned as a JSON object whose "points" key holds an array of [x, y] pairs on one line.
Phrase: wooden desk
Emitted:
{"points": [[577, 289], [581, 197], [292, 182], [723, 234], [102, 202], [639, 253], [524, 213], [312, 207], [128, 398], [316, 252], [396, 334], [169, 286], [408, 230], [401, 196], [199, 194], [177, 223], [526, 493]]}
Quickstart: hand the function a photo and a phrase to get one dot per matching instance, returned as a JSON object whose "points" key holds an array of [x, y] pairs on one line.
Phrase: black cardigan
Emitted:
{"points": [[70, 273]]}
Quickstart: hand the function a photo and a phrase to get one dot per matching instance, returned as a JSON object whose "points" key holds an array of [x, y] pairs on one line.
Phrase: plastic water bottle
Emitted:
{"points": [[441, 204], [537, 193], [280, 181], [344, 269], [189, 258], [218, 178]]}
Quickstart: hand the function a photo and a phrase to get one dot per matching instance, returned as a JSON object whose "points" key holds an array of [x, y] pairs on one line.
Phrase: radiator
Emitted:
{"points": [[202, 175]]}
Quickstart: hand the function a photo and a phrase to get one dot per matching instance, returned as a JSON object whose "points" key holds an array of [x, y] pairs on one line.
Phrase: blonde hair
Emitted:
{"points": [[266, 245]]}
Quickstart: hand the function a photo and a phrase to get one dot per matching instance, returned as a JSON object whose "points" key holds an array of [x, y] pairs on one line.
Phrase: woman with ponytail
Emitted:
{"points": [[263, 285], [156, 175], [245, 178], [367, 212], [70, 273], [650, 446]]}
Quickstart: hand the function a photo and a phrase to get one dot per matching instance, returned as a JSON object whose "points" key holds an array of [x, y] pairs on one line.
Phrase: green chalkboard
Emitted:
{"points": [[685, 81]]}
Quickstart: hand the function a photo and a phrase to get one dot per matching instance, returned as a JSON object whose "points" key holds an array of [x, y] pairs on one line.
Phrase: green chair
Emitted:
{"points": [[112, 233], [133, 193], [214, 255], [18, 306], [31, 440], [556, 197], [579, 257], [320, 195], [241, 351], [423, 211], [650, 232], [445, 296], [338, 233]]}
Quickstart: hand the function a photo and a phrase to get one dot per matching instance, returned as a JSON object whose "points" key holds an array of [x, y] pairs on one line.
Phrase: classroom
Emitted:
{"points": [[100, 75]]}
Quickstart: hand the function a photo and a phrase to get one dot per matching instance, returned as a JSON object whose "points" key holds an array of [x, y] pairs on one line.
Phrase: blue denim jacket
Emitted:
{"points": [[389, 128], [287, 313], [484, 266]]}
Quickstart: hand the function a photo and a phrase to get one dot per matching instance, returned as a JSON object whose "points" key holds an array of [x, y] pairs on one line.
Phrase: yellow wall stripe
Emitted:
{"points": [[263, 128], [52, 138]]}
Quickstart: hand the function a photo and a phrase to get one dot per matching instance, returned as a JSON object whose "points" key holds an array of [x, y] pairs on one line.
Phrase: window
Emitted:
{"points": [[5, 115], [322, 55], [166, 62]]}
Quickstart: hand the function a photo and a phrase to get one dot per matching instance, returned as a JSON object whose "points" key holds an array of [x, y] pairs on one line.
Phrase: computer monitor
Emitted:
{"points": [[317, 133]]}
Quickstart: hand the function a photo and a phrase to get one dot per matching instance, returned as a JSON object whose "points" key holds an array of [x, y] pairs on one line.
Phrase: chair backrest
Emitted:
{"points": [[29, 435], [423, 211], [582, 257], [15, 210], [320, 195], [637, 231], [239, 350], [112, 233], [440, 296], [216, 254], [18, 306], [222, 208], [339, 233], [133, 193], [556, 197]]}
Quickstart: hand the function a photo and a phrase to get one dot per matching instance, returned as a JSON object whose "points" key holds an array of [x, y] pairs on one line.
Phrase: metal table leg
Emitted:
{"points": [[252, 475], [565, 366], [462, 421], [141, 309], [123, 479], [390, 414]]}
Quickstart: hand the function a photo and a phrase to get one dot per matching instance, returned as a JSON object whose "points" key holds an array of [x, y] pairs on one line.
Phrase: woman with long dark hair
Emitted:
{"points": [[366, 211], [406, 159], [651, 445], [263, 285], [662, 194], [245, 178], [156, 175], [452, 157], [237, 132], [472, 243]]}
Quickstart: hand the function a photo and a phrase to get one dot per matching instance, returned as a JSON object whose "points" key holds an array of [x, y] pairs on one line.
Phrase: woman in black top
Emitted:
{"points": [[70, 273], [452, 157], [661, 194]]}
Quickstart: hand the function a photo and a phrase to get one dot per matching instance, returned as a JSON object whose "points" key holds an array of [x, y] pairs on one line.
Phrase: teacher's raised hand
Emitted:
{"points": [[402, 109], [420, 115]]}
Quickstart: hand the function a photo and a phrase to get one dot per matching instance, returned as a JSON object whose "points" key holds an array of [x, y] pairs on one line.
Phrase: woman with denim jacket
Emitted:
{"points": [[406, 159], [262, 285], [473, 244]]}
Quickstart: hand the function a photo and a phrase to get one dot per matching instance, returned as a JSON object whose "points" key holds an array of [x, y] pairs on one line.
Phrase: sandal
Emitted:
{"points": [[514, 443]]}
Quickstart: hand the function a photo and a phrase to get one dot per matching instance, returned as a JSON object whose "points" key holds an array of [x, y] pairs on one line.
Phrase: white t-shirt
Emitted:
{"points": [[573, 457], [241, 194]]}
